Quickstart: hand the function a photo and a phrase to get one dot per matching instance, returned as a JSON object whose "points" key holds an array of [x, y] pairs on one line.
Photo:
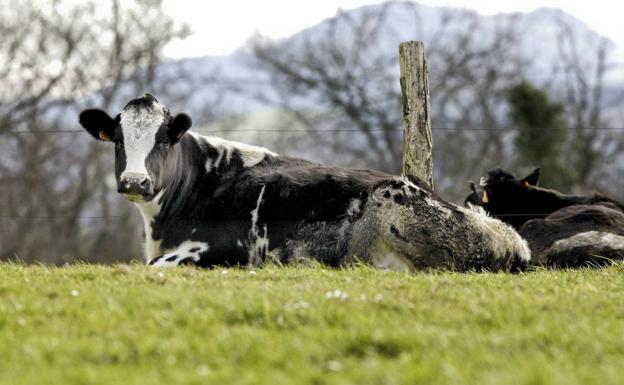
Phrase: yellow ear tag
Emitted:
{"points": [[485, 198], [103, 136], [527, 184]]}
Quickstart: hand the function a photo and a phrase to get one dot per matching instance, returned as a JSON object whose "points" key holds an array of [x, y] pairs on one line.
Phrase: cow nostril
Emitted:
{"points": [[135, 184], [123, 186]]}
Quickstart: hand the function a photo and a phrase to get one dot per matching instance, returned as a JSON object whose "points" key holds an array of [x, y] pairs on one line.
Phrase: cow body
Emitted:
{"points": [[562, 230], [290, 209], [215, 202], [575, 236]]}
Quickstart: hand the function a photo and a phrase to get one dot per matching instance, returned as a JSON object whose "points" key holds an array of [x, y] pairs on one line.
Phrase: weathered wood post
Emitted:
{"points": [[417, 139]]}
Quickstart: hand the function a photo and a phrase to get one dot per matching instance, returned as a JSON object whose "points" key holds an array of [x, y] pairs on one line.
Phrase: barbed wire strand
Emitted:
{"points": [[335, 130], [17, 217], [281, 130], [52, 218]]}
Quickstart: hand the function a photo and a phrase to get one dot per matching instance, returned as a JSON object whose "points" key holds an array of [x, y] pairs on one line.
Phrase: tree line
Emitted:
{"points": [[340, 86]]}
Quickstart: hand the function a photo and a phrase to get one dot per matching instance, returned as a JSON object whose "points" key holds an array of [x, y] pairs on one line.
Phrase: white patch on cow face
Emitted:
{"points": [[259, 244], [186, 250], [149, 210], [139, 127]]}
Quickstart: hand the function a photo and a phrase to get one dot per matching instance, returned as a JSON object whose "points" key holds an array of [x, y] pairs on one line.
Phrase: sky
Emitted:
{"points": [[221, 26]]}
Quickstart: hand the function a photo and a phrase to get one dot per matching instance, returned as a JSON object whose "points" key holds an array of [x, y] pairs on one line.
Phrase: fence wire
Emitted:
{"points": [[105, 218], [455, 129]]}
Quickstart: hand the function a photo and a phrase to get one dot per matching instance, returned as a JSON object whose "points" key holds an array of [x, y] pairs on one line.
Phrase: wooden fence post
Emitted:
{"points": [[417, 139]]}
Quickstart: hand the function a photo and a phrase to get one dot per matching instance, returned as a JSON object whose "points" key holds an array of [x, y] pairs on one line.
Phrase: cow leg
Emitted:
{"points": [[409, 235], [188, 253], [415, 227]]}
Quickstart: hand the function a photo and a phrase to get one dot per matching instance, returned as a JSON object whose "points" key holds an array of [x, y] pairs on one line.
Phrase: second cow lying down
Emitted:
{"points": [[207, 201], [562, 230]]}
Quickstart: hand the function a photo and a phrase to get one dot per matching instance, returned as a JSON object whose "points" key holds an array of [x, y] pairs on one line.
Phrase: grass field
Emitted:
{"points": [[128, 324]]}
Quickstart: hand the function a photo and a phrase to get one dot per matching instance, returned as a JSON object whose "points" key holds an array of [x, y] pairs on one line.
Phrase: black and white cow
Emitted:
{"points": [[562, 230], [207, 201]]}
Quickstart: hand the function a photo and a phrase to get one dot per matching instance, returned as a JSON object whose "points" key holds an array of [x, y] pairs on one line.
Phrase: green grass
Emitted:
{"points": [[278, 325]]}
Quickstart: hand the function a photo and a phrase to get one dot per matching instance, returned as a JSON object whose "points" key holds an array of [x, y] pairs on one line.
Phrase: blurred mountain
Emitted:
{"points": [[207, 81]]}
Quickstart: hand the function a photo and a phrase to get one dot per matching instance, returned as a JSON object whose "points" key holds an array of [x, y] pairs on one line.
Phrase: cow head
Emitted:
{"points": [[144, 134], [501, 194]]}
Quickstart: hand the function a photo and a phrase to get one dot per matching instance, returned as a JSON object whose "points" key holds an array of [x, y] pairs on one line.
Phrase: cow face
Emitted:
{"points": [[500, 186], [503, 195], [145, 135]]}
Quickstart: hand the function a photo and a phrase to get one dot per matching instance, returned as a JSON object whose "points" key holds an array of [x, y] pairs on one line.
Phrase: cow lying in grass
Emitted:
{"points": [[207, 201], [562, 230]]}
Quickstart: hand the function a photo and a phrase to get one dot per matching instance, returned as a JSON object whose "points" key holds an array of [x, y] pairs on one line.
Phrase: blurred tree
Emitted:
{"points": [[583, 64], [57, 57], [345, 78], [324, 84], [541, 134], [340, 83]]}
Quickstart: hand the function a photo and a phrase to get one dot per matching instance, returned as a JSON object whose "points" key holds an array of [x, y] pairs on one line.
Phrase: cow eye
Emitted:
{"points": [[163, 144]]}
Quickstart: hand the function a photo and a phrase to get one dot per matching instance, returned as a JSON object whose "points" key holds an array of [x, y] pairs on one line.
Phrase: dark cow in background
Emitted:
{"points": [[207, 201], [562, 230], [574, 236], [516, 201]]}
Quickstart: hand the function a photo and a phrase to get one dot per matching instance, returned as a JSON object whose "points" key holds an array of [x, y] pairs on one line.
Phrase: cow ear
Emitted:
{"points": [[532, 179], [178, 126], [473, 198], [99, 124]]}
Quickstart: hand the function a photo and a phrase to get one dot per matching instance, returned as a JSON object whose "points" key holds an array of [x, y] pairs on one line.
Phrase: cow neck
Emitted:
{"points": [[182, 175], [190, 184], [556, 200]]}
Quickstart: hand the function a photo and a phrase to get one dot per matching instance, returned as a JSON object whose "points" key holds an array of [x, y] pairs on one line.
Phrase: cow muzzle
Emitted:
{"points": [[135, 186]]}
